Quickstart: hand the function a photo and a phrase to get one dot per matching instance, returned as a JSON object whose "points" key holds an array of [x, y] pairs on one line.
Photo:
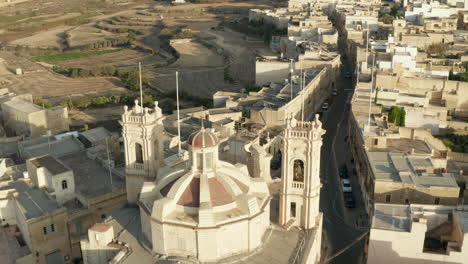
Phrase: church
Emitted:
{"points": [[193, 204]]}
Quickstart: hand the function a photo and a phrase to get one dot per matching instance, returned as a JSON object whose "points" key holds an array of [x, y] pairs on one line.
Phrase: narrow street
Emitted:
{"points": [[339, 222]]}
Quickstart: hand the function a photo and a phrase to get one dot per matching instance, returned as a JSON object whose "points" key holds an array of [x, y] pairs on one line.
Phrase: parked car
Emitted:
{"points": [[335, 92], [347, 75], [329, 100], [346, 185], [325, 106], [349, 200], [344, 172]]}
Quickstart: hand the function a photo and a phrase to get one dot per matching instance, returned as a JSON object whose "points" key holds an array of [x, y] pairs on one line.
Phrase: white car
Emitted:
{"points": [[335, 92], [346, 184], [325, 106]]}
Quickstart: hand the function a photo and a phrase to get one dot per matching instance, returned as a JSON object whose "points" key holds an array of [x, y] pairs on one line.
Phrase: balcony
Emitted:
{"points": [[136, 168], [297, 185]]}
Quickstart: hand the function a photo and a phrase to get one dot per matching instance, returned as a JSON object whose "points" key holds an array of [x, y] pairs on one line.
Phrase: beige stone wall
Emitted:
{"points": [[416, 195], [57, 119], [48, 243]]}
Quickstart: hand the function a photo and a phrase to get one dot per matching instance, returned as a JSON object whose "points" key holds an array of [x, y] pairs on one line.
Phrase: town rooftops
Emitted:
{"points": [[96, 134], [392, 217], [50, 163], [49, 146], [408, 169], [399, 217], [91, 178], [33, 202]]}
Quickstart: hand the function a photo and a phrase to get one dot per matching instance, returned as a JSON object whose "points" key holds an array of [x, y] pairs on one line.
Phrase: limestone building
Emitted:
{"points": [[21, 117], [143, 134], [196, 204], [300, 191], [418, 234]]}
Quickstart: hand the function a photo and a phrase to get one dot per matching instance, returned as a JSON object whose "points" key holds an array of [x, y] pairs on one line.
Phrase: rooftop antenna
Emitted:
{"points": [[370, 93], [108, 163], [178, 114], [141, 89]]}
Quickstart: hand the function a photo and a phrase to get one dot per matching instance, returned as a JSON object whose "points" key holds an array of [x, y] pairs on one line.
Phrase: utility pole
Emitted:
{"points": [[108, 163], [290, 78], [141, 89], [178, 115]]}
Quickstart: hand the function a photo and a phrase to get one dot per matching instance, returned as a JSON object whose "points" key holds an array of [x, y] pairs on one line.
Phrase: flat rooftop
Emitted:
{"points": [[50, 163], [392, 217], [23, 106], [400, 167], [96, 134], [91, 179], [405, 145], [33, 202], [54, 147]]}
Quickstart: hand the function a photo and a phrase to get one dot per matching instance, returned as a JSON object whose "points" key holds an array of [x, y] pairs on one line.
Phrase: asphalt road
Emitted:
{"points": [[339, 223]]}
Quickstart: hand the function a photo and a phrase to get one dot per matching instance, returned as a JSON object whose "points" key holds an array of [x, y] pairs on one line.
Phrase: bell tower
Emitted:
{"points": [[144, 153], [300, 174]]}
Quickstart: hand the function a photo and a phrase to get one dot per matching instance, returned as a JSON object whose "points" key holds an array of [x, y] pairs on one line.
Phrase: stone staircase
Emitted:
{"points": [[289, 224]]}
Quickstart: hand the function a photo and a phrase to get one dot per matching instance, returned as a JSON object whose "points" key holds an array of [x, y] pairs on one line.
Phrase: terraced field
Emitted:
{"points": [[56, 88]]}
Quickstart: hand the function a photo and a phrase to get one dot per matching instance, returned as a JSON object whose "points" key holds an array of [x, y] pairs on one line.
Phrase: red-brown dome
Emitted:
{"points": [[203, 139]]}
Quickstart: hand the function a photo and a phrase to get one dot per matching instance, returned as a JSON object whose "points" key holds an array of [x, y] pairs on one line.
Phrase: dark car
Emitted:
{"points": [[349, 200], [344, 172], [347, 75]]}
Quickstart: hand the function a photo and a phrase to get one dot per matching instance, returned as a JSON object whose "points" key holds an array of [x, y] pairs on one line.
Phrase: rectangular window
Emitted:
{"points": [[44, 230], [437, 200], [293, 209], [388, 198], [52, 228], [406, 201]]}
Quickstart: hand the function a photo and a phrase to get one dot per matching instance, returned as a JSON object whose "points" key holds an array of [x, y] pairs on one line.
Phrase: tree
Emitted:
{"points": [[440, 49], [387, 19]]}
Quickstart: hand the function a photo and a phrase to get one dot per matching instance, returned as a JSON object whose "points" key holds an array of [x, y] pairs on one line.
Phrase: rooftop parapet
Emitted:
{"points": [[141, 115]]}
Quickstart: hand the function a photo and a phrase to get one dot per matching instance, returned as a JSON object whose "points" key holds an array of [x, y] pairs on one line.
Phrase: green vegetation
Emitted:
{"points": [[73, 55], [131, 78], [387, 17], [80, 20], [197, 101], [461, 76], [397, 116], [376, 95], [168, 33], [457, 143], [437, 50], [228, 77], [84, 102]]}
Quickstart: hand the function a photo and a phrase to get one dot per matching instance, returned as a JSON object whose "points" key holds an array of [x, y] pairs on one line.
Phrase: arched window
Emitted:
{"points": [[138, 153], [64, 185], [298, 171]]}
